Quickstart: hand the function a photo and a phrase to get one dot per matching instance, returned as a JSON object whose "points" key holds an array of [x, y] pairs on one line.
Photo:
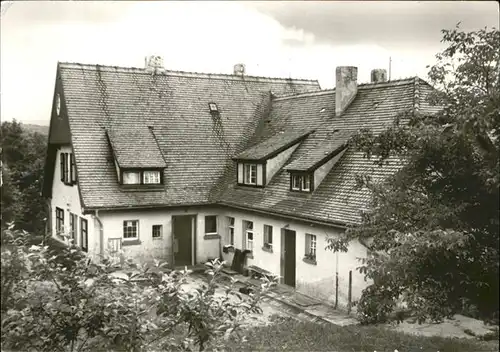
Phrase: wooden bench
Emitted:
{"points": [[259, 272]]}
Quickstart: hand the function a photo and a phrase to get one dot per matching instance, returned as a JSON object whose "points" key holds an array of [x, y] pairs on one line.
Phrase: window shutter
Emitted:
{"points": [[73, 168], [260, 178], [240, 173], [62, 157]]}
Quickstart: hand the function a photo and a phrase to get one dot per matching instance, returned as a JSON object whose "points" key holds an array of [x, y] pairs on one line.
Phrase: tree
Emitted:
{"points": [[434, 224], [59, 300], [23, 158]]}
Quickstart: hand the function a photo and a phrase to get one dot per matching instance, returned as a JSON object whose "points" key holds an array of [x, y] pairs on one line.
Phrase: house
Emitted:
{"points": [[182, 166]]}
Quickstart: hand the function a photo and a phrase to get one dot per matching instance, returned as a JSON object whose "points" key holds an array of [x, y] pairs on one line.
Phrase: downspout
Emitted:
{"points": [[101, 234]]}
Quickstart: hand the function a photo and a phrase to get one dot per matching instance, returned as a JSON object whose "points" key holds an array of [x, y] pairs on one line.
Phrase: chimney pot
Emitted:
{"points": [[346, 87], [379, 75], [239, 69], [154, 63]]}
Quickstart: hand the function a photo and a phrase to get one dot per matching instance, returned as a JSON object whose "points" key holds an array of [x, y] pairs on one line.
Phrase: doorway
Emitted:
{"points": [[289, 258], [183, 239]]}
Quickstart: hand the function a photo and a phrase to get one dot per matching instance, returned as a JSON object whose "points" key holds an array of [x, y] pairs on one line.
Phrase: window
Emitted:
{"points": [[130, 230], [301, 182], [157, 231], [211, 224], [73, 220], [151, 177], [138, 177], [250, 174], [296, 180], [59, 221], [131, 178], [84, 239], [268, 237], [248, 227], [230, 232], [213, 107], [310, 246]]}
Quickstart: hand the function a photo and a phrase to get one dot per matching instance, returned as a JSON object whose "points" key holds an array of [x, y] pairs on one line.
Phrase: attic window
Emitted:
{"points": [[142, 177], [213, 107], [301, 182]]}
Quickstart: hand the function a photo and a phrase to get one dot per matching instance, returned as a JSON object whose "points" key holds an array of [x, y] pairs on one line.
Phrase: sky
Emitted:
{"points": [[300, 39]]}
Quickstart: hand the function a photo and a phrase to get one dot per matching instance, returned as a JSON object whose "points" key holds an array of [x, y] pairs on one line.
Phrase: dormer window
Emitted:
{"points": [[250, 172], [213, 107], [301, 182], [141, 177]]}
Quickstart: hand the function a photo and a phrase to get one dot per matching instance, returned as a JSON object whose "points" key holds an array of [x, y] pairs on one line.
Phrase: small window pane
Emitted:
{"points": [[131, 178], [130, 229], [151, 177], [211, 224]]}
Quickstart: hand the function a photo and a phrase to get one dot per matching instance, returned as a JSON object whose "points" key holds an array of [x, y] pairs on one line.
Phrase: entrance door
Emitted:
{"points": [[182, 230], [289, 277]]}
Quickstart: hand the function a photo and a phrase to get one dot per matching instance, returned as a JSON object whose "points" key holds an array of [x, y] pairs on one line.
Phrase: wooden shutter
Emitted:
{"points": [[240, 173], [260, 175], [62, 157], [72, 168]]}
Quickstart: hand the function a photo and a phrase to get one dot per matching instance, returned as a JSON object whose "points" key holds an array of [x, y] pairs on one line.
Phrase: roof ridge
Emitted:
{"points": [[369, 85], [124, 69]]}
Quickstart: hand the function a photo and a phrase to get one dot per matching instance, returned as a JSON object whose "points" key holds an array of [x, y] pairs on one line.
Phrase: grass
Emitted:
{"points": [[291, 335]]}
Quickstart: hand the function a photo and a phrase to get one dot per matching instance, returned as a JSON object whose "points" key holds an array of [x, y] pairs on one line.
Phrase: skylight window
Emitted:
{"points": [[213, 107]]}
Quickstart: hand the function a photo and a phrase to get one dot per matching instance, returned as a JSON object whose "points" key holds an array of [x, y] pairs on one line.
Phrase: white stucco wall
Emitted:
{"points": [[314, 280], [276, 163], [68, 198], [154, 248]]}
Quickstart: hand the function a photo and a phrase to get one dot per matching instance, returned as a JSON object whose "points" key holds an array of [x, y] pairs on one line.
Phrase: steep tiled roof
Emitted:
{"points": [[135, 147], [337, 199], [323, 150], [197, 147], [273, 145]]}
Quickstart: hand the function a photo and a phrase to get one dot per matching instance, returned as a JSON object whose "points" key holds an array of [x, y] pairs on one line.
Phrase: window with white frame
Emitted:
{"points": [[250, 174], [300, 182], [151, 177], [310, 246], [130, 229], [248, 230], [157, 231], [268, 237], [230, 230], [59, 221], [131, 177], [211, 224], [73, 221], [84, 238]]}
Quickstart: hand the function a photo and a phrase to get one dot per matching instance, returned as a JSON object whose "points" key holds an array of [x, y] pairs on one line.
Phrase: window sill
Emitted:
{"points": [[309, 261], [157, 238], [131, 243], [267, 249], [211, 236]]}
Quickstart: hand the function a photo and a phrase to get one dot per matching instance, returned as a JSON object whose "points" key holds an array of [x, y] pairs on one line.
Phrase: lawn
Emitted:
{"points": [[291, 335]]}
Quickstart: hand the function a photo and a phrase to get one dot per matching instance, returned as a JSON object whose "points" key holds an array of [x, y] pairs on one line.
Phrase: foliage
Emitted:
{"points": [[434, 224], [289, 334], [87, 306], [23, 158]]}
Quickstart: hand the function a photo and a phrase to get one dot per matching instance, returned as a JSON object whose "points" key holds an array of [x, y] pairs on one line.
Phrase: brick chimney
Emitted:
{"points": [[153, 63], [239, 70], [379, 75], [346, 87]]}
